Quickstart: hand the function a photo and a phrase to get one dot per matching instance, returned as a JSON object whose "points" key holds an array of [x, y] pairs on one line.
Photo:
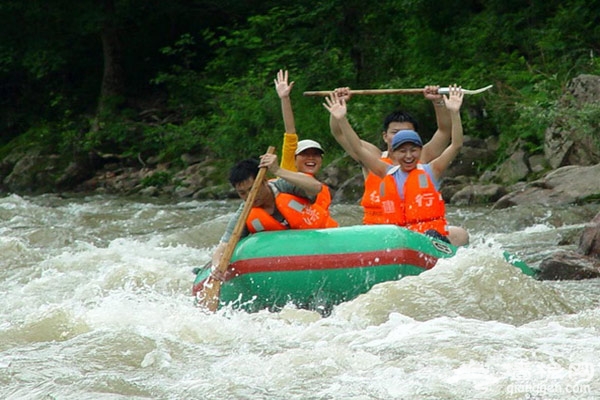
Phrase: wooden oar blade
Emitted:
{"points": [[208, 297]]}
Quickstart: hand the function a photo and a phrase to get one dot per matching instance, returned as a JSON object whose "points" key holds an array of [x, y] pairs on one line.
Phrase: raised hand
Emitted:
{"points": [[335, 105], [454, 99], [431, 93], [343, 93], [281, 84]]}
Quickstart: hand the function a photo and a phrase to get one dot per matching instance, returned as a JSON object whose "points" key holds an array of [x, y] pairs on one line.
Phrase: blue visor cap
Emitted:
{"points": [[406, 136]]}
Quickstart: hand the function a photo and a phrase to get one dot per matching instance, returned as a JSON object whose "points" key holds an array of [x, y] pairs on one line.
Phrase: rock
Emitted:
{"points": [[339, 171], [514, 169], [190, 159], [583, 264], [571, 140], [75, 172], [538, 163], [449, 186], [475, 152], [589, 244], [565, 185], [478, 194], [150, 191], [350, 190], [344, 177], [182, 192], [196, 176], [222, 191], [34, 173], [568, 266]]}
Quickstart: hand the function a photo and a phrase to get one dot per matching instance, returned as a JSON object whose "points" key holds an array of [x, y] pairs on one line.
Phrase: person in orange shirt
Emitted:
{"points": [[409, 193], [303, 156]]}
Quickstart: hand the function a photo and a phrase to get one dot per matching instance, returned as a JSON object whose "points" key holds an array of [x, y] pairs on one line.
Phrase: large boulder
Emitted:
{"points": [[514, 169], [29, 171], [565, 185], [589, 244], [581, 264], [573, 140], [565, 265], [478, 194]]}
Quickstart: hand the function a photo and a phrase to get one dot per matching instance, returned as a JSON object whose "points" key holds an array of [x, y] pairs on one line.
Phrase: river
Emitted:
{"points": [[96, 304]]}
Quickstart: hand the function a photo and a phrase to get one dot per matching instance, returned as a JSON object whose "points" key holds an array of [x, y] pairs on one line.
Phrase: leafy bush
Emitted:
{"points": [[212, 68], [157, 179]]}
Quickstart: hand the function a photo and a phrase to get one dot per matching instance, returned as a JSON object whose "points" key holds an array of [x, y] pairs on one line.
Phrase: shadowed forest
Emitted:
{"points": [[155, 79]]}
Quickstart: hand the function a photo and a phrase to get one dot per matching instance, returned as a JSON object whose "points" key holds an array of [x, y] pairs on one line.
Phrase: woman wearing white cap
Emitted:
{"points": [[307, 154], [409, 194]]}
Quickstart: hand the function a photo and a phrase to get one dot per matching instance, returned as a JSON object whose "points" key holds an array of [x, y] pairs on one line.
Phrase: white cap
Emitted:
{"points": [[308, 144]]}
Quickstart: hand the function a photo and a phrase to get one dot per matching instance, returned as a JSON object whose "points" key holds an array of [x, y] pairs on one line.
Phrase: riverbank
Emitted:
{"points": [[563, 172]]}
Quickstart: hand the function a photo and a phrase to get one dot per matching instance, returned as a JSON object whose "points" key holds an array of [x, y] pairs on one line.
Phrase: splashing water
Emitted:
{"points": [[97, 305]]}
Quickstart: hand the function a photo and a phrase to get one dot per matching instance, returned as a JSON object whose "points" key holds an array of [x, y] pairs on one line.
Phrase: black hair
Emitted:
{"points": [[243, 170], [400, 116]]}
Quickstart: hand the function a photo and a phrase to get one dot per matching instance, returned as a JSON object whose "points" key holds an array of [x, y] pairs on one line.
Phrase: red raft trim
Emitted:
{"points": [[327, 261]]}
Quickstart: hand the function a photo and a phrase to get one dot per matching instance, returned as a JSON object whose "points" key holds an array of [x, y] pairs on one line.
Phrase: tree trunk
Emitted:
{"points": [[112, 88]]}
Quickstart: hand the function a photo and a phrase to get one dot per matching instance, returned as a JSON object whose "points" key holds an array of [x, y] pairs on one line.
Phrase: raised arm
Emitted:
{"points": [[283, 91], [349, 140], [290, 138], [441, 137], [345, 94], [306, 182], [452, 103]]}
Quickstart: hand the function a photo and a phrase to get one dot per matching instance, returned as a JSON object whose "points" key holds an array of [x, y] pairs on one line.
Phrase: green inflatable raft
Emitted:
{"points": [[319, 268]]}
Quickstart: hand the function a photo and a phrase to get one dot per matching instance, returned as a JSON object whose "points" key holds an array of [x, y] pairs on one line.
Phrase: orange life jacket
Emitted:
{"points": [[324, 201], [371, 201], [298, 212], [421, 207]]}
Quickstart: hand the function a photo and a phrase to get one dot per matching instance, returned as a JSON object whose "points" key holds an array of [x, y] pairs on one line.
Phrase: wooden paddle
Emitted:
{"points": [[209, 296], [442, 90]]}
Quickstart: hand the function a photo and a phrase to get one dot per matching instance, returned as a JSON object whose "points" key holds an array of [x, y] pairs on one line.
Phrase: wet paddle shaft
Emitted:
{"points": [[209, 296]]}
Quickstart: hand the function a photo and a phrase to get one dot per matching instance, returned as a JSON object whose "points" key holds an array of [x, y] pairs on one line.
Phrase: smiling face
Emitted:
{"points": [[407, 156], [309, 161], [393, 128]]}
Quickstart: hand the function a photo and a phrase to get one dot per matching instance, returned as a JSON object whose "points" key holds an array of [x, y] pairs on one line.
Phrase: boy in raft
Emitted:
{"points": [[287, 202], [304, 156], [409, 189], [394, 122]]}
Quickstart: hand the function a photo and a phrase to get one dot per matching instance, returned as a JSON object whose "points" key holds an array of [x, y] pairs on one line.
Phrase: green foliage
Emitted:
{"points": [[187, 91], [581, 119], [586, 121], [157, 179], [208, 69], [169, 141]]}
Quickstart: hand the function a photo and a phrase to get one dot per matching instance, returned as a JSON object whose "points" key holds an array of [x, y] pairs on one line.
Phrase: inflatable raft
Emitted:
{"points": [[317, 269]]}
